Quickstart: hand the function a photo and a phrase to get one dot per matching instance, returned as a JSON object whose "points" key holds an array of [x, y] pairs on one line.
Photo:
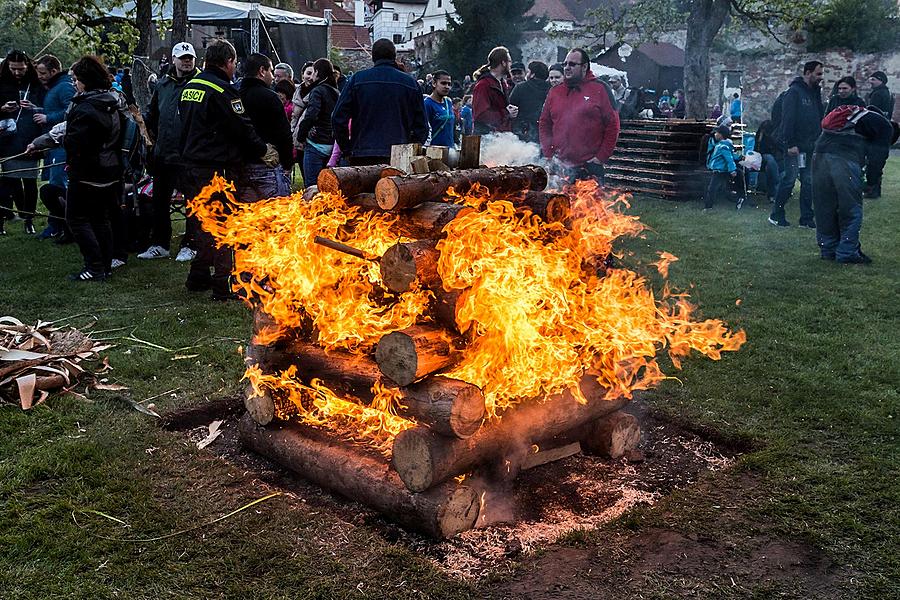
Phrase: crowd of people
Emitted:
{"points": [[112, 172], [837, 150]]}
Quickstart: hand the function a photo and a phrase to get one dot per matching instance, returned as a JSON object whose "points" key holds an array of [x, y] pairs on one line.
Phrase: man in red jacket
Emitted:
{"points": [[579, 124], [490, 96]]}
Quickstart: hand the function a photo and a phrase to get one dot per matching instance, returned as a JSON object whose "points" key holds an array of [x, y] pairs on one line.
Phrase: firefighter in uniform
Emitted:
{"points": [[216, 137]]}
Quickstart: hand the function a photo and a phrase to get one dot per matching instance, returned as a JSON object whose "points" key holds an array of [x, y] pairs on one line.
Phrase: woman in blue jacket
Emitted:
{"points": [[60, 90]]}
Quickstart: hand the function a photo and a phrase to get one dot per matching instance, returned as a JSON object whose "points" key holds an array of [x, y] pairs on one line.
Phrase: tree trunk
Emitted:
{"points": [[139, 68], [409, 355], [351, 181], [448, 406], [441, 512], [396, 193], [406, 262], [704, 23], [424, 459], [179, 21]]}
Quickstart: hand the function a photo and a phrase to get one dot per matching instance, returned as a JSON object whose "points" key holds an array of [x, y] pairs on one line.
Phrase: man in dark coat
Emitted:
{"points": [[216, 137], [848, 135], [266, 112], [164, 127], [881, 98], [801, 116], [386, 108], [529, 98]]}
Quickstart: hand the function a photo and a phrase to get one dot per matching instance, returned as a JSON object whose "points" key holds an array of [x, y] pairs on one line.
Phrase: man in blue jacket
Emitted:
{"points": [[60, 90], [801, 117], [386, 107]]}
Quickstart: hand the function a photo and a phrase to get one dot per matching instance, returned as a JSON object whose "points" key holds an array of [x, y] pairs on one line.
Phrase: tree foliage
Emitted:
{"points": [[645, 20], [479, 26], [871, 26], [32, 38]]}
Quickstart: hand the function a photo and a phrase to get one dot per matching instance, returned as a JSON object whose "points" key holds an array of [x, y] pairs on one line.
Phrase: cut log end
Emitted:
{"points": [[396, 357], [261, 408], [413, 460], [459, 513], [612, 436], [398, 268], [387, 194]]}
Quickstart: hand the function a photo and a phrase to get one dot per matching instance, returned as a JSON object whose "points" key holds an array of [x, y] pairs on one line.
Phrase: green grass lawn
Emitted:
{"points": [[815, 390]]}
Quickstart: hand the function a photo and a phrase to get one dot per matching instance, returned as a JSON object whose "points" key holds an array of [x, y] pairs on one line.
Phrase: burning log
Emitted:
{"points": [[448, 406], [441, 512], [409, 355], [427, 220], [405, 262], [395, 193], [424, 459], [611, 436], [549, 206], [351, 181]]}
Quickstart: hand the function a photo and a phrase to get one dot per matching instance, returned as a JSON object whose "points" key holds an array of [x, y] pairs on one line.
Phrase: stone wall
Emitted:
{"points": [[765, 74]]}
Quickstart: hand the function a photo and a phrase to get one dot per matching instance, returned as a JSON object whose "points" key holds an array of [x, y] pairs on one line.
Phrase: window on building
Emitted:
{"points": [[432, 29], [398, 38], [439, 3], [396, 17]]}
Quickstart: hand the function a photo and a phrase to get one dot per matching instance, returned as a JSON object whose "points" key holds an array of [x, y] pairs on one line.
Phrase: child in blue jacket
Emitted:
{"points": [[721, 160]]}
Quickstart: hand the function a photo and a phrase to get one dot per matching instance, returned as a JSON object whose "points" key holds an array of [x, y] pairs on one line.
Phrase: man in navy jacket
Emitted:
{"points": [[801, 116], [385, 106]]}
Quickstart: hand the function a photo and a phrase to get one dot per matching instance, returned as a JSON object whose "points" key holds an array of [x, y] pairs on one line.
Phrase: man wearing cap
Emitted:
{"points": [[881, 98], [164, 128], [517, 73], [217, 137]]}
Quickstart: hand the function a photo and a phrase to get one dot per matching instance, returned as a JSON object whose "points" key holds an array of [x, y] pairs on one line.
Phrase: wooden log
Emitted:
{"points": [[469, 152], [365, 200], [441, 153], [395, 193], [549, 206], [441, 512], [310, 192], [419, 165], [427, 220], [447, 406], [445, 308], [424, 459], [404, 263], [402, 155], [611, 436], [543, 457], [260, 407], [351, 181], [409, 355], [437, 165]]}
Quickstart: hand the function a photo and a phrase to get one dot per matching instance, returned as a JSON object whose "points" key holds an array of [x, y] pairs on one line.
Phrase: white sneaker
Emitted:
{"points": [[186, 255], [154, 252], [116, 263]]}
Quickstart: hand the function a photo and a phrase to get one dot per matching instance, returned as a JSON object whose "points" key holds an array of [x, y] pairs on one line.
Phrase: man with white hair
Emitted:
{"points": [[284, 71]]}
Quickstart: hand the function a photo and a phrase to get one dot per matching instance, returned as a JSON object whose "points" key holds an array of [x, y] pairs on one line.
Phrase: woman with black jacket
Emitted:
{"points": [[314, 129], [93, 148], [21, 97], [844, 93]]}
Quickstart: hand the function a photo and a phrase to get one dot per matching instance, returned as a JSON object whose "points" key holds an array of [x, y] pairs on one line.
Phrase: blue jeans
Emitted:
{"points": [[839, 208], [258, 182], [313, 162], [770, 169], [786, 185]]}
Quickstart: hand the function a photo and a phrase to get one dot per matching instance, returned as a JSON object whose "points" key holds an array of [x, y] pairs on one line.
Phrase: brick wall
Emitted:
{"points": [[767, 74]]}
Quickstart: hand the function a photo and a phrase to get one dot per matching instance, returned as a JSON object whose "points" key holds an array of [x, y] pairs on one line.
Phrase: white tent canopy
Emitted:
{"points": [[221, 10]]}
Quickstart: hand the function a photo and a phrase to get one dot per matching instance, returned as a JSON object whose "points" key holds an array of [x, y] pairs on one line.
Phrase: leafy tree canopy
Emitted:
{"points": [[478, 27], [870, 26], [32, 37]]}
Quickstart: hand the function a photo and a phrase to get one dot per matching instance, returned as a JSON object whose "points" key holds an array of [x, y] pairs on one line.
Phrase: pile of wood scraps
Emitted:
{"points": [[38, 360]]}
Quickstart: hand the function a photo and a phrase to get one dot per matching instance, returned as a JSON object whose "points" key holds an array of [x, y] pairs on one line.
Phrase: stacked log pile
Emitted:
{"points": [[663, 157], [421, 485]]}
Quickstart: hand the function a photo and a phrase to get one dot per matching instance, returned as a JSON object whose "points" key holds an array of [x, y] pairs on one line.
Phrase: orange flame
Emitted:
{"points": [[539, 303]]}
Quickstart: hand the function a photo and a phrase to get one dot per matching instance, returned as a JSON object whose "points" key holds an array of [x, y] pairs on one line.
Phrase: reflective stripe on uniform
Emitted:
{"points": [[208, 83]]}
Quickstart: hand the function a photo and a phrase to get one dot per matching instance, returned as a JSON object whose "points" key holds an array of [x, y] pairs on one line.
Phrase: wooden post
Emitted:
{"points": [[470, 152], [402, 155]]}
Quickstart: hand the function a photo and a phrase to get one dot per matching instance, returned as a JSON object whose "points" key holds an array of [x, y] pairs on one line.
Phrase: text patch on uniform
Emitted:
{"points": [[237, 106], [190, 95]]}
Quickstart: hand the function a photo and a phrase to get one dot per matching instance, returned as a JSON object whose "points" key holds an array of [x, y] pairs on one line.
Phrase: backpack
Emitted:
{"points": [[843, 119], [134, 148], [775, 134]]}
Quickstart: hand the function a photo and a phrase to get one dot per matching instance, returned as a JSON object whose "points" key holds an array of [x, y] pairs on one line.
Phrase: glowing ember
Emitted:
{"points": [[538, 305]]}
